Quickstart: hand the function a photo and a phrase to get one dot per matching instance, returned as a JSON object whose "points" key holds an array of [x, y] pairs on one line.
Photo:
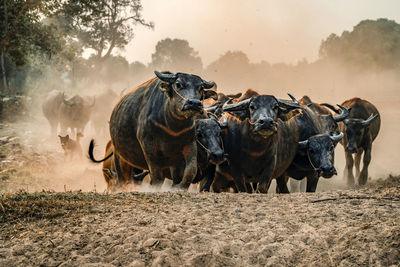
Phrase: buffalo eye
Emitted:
{"points": [[179, 85], [252, 108], [312, 151], [199, 135], [275, 107]]}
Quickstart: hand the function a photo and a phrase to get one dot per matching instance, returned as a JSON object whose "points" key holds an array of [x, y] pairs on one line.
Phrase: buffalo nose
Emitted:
{"points": [[217, 156], [194, 102], [266, 121], [328, 171]]}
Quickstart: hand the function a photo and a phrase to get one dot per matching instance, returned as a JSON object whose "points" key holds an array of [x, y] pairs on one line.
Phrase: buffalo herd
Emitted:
{"points": [[177, 126]]}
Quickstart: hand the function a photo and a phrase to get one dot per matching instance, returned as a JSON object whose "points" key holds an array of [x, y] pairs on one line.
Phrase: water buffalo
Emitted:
{"points": [[210, 149], [50, 108], [360, 130], [115, 182], [315, 155], [254, 142], [74, 113], [102, 110], [153, 127]]}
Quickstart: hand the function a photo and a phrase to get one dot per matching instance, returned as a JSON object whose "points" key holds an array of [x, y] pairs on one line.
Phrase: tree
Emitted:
{"points": [[176, 55], [371, 44], [22, 32], [103, 25]]}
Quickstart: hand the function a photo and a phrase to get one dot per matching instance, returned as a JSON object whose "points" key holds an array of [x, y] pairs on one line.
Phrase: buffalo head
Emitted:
{"points": [[320, 150], [208, 134], [262, 112], [355, 130], [185, 92]]}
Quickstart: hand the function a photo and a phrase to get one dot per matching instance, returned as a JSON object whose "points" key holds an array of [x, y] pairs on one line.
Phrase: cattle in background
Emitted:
{"points": [[360, 130], [50, 108], [101, 111], [74, 113], [254, 142], [153, 127]]}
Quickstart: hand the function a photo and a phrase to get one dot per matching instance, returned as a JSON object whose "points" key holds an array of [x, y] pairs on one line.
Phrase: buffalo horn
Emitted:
{"points": [[369, 120], [166, 77], [212, 116], [303, 144], [236, 106], [343, 114], [208, 85], [293, 98], [65, 101], [224, 122], [337, 138], [288, 104], [211, 109], [92, 104]]}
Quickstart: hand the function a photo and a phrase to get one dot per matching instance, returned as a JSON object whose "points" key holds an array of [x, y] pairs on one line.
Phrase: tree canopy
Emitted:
{"points": [[176, 54], [371, 44]]}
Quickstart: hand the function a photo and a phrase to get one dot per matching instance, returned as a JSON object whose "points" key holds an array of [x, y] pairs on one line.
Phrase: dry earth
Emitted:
{"points": [[331, 228], [345, 228]]}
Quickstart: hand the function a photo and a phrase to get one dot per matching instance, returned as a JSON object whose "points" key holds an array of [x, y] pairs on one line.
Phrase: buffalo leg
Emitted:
{"points": [[362, 180], [176, 174], [190, 170], [348, 169], [206, 182], [357, 160], [312, 183], [281, 186]]}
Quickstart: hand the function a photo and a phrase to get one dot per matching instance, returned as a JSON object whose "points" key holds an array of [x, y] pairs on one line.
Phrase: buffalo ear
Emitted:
{"points": [[165, 88], [240, 114], [210, 94]]}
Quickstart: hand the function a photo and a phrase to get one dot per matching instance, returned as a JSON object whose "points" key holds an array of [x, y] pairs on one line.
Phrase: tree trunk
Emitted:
{"points": [[3, 71]]}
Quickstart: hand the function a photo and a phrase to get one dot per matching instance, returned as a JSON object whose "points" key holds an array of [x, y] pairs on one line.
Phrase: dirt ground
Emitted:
{"points": [[342, 228], [57, 227]]}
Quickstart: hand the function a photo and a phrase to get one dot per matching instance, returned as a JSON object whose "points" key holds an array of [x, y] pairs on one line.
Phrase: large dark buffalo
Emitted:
{"points": [[50, 108], [153, 127], [318, 135], [102, 110], [75, 113], [360, 130], [259, 145]]}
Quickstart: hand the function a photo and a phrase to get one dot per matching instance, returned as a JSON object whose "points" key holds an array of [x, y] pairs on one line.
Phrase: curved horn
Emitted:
{"points": [[342, 115], [234, 96], [336, 138], [331, 107], [293, 99], [212, 116], [303, 144], [287, 104], [92, 104], [369, 120], [211, 109], [208, 85], [169, 78], [65, 101], [224, 122], [244, 104], [121, 94]]}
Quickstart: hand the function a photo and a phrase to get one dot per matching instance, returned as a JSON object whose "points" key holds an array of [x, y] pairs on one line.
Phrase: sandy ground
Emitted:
{"points": [[333, 227], [342, 228]]}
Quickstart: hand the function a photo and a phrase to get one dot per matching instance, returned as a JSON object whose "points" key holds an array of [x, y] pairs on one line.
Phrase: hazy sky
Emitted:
{"points": [[275, 31]]}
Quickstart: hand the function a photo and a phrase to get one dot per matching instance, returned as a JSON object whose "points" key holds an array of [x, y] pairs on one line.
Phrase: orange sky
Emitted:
{"points": [[275, 31]]}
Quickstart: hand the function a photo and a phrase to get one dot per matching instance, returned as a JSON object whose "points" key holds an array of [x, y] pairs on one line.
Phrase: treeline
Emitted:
{"points": [[43, 42]]}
